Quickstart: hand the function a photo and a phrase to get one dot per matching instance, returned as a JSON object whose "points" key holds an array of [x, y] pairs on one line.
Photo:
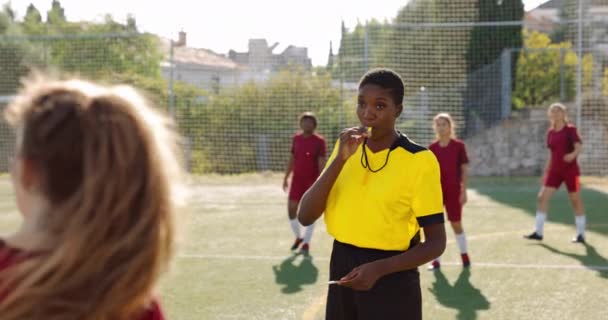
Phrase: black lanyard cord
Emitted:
{"points": [[365, 162]]}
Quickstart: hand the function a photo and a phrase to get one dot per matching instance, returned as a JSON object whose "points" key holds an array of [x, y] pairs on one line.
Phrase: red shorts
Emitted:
{"points": [[451, 201], [554, 179], [299, 185]]}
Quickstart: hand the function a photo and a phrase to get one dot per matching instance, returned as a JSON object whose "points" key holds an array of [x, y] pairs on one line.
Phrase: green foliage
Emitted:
{"points": [[56, 16], [16, 56], [487, 43], [32, 22], [8, 11], [267, 112], [539, 72], [92, 50], [93, 56], [361, 49]]}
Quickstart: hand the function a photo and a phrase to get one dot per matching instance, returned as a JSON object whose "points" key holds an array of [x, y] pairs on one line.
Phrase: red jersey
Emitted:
{"points": [[561, 143], [306, 152], [451, 158], [11, 256]]}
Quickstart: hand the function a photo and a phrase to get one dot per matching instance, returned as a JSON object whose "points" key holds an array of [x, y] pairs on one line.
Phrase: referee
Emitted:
{"points": [[377, 191]]}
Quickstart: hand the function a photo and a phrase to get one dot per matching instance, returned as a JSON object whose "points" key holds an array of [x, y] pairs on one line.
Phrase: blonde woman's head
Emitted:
{"points": [[104, 162], [443, 124], [557, 114]]}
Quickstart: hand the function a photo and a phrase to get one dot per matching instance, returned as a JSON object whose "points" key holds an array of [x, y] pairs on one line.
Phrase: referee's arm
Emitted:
{"points": [[314, 200]]}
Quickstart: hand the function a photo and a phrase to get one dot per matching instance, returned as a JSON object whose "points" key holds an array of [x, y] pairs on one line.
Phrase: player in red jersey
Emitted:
{"points": [[93, 177], [305, 164], [453, 161], [564, 145]]}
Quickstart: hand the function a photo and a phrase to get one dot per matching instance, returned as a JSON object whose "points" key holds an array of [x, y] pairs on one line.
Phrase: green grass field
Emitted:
{"points": [[234, 261]]}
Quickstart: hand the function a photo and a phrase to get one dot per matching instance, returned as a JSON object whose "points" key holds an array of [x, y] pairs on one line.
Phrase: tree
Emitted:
{"points": [[32, 21], [131, 23], [108, 47], [539, 71], [8, 11], [483, 96], [241, 122], [94, 49], [487, 43], [15, 55], [56, 15], [361, 49], [351, 54]]}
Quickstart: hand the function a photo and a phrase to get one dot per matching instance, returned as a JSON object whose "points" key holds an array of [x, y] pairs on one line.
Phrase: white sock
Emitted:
{"points": [[580, 224], [462, 242], [308, 233], [295, 226], [540, 222]]}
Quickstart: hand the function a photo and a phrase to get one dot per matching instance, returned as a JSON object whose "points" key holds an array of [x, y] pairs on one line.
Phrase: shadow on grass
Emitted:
{"points": [[293, 276], [462, 296], [592, 260], [521, 192]]}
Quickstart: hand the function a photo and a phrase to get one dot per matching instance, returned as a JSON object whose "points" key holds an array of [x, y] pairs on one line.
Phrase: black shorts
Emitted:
{"points": [[394, 296]]}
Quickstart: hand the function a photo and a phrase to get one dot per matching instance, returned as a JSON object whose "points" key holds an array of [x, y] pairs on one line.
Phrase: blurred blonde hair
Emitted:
{"points": [[447, 117], [107, 164], [561, 107]]}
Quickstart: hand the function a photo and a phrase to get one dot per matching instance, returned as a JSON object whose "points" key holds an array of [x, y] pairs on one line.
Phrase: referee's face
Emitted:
{"points": [[376, 107]]}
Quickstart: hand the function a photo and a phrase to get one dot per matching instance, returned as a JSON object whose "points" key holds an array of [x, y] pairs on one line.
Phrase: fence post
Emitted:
{"points": [[366, 48], [171, 76], [562, 74], [263, 152], [424, 103], [506, 83], [597, 71]]}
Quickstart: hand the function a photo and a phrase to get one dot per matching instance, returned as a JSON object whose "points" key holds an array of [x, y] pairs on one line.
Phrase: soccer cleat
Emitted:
{"points": [[305, 249], [435, 265], [466, 262], [578, 239], [534, 236], [297, 243]]}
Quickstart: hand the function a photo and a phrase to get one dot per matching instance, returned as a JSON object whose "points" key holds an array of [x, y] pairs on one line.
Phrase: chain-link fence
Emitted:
{"points": [[494, 68]]}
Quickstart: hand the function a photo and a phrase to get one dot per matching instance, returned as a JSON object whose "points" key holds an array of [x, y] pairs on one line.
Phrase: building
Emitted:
{"points": [[260, 58], [211, 71], [202, 68], [546, 17]]}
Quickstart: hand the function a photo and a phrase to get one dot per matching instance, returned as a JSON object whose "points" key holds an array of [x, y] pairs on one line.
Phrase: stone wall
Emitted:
{"points": [[517, 147]]}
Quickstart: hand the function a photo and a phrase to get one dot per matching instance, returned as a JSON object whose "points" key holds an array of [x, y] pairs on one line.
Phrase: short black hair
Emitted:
{"points": [[387, 79], [309, 115]]}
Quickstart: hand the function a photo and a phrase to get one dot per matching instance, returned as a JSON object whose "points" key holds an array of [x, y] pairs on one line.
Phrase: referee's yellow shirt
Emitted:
{"points": [[385, 209]]}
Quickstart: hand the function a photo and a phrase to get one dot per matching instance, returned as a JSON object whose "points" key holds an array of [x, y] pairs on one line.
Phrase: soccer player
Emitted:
{"points": [[377, 191], [305, 163], [453, 161], [564, 145], [93, 178]]}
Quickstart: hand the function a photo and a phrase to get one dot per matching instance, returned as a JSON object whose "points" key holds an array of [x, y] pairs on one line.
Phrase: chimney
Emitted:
{"points": [[182, 39], [276, 44]]}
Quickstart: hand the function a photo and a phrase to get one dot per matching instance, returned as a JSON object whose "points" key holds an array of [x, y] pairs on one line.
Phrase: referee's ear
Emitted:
{"points": [[399, 110]]}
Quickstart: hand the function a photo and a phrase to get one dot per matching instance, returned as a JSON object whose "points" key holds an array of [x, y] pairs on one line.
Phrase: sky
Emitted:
{"points": [[221, 25]]}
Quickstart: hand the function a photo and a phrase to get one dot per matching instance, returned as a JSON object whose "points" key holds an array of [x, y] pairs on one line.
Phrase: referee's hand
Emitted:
{"points": [[362, 278], [350, 139]]}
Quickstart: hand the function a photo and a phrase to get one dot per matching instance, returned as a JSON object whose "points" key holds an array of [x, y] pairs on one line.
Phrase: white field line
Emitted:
{"points": [[495, 265]]}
